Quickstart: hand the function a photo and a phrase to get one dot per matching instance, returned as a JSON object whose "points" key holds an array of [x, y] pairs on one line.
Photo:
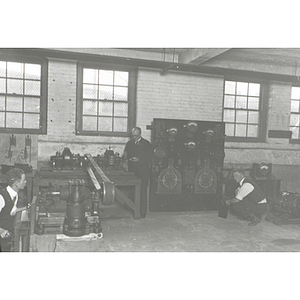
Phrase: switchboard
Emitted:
{"points": [[187, 165]]}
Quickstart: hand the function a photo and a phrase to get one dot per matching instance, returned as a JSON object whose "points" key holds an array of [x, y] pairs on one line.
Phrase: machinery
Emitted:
{"points": [[284, 209], [187, 165], [73, 209], [66, 160]]}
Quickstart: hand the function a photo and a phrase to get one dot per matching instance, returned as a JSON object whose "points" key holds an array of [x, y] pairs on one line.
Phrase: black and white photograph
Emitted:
{"points": [[162, 161]]}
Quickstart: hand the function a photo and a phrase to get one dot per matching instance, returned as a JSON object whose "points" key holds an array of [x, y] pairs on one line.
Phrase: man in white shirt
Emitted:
{"points": [[8, 205], [250, 201]]}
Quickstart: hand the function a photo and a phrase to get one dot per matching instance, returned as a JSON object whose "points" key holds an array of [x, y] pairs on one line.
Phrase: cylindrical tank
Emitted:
{"points": [[75, 223]]}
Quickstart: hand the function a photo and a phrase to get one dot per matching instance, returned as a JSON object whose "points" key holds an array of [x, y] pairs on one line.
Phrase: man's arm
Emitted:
{"points": [[13, 213], [4, 233], [243, 191]]}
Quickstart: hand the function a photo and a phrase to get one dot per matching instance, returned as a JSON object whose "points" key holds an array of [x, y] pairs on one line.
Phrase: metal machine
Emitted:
{"points": [[187, 165], [73, 209]]}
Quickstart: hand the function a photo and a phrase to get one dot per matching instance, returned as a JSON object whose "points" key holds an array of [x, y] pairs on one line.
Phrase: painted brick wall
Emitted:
{"points": [[62, 117], [171, 95], [177, 96]]}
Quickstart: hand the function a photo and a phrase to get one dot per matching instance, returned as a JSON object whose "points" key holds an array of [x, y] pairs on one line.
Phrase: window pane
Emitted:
{"points": [[105, 124], [105, 108], [121, 78], [230, 87], [242, 88], [253, 103], [90, 76], [241, 116], [241, 102], [32, 87], [296, 93], [106, 77], [14, 69], [89, 123], [120, 124], [89, 107], [31, 121], [295, 106], [14, 86], [295, 132], [106, 92], [14, 120], [32, 71], [253, 117], [254, 89], [2, 118], [14, 103], [294, 120], [32, 104], [121, 93], [229, 101], [2, 103], [229, 115], [2, 85], [2, 68], [241, 130], [121, 109], [90, 91], [229, 129], [252, 131]]}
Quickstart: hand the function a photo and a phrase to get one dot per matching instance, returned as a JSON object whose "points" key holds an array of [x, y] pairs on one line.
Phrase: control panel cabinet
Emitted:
{"points": [[187, 165]]}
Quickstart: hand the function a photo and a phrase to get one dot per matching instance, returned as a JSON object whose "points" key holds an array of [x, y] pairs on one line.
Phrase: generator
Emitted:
{"points": [[187, 165]]}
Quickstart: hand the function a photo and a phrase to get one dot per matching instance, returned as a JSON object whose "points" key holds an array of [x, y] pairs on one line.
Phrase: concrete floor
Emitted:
{"points": [[184, 232]]}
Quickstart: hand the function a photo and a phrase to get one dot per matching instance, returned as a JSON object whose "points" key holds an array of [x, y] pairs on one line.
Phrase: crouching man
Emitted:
{"points": [[250, 202]]}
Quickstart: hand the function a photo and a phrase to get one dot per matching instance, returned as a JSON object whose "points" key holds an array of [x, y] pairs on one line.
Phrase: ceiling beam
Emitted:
{"points": [[198, 56]]}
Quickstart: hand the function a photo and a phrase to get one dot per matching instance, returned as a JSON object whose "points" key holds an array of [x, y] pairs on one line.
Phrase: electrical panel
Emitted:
{"points": [[187, 165]]}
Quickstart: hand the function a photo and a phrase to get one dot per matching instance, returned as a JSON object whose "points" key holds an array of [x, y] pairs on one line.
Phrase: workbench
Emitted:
{"points": [[120, 179]]}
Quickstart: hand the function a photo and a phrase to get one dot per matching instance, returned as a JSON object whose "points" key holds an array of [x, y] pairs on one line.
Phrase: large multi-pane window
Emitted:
{"points": [[21, 96], [295, 113], [105, 101], [242, 108]]}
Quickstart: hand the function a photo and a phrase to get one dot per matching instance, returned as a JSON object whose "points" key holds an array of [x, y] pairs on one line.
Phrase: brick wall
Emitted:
{"points": [[170, 95], [178, 96]]}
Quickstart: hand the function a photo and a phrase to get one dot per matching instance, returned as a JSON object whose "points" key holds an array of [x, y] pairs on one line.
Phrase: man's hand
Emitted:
{"points": [[134, 159], [233, 200], [4, 233]]}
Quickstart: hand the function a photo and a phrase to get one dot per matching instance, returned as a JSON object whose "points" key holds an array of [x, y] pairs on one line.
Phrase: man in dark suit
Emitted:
{"points": [[138, 152]]}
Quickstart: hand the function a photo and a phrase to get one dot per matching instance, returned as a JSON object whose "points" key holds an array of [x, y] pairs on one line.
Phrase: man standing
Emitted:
{"points": [[250, 202], [8, 206], [138, 152]]}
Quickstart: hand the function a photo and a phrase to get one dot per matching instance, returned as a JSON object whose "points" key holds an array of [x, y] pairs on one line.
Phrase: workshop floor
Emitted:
{"points": [[183, 232]]}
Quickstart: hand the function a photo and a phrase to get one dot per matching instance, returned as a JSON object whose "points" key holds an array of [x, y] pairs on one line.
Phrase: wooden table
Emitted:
{"points": [[119, 178]]}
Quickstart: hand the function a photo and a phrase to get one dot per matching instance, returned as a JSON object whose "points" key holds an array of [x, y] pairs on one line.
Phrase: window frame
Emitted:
{"points": [[132, 86], [293, 141], [10, 56], [263, 106]]}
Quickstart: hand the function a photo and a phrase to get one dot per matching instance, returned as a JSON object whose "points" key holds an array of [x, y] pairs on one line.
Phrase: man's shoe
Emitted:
{"points": [[254, 220]]}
